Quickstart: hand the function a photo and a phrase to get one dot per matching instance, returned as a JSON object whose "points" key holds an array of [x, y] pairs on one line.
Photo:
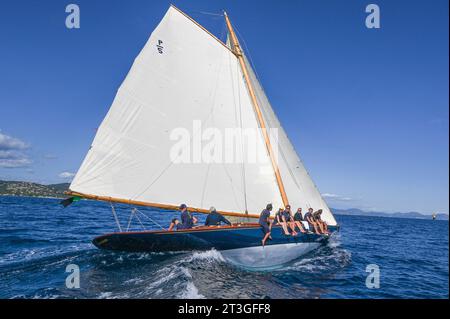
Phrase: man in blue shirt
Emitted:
{"points": [[312, 223], [265, 223], [289, 219], [298, 218], [322, 224], [279, 219], [187, 220], [214, 218]]}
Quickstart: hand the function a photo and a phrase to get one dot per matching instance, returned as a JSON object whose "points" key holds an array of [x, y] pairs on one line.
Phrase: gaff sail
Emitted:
{"points": [[181, 75], [185, 77]]}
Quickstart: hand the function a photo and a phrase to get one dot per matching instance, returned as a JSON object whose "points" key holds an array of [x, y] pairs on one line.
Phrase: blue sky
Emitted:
{"points": [[367, 109]]}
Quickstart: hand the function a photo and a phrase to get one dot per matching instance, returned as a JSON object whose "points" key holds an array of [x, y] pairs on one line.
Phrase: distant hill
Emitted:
{"points": [[359, 212], [16, 188]]}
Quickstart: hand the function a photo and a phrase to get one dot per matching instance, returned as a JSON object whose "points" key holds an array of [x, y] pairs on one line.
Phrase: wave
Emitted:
{"points": [[209, 255], [325, 259], [27, 256], [191, 292], [36, 268]]}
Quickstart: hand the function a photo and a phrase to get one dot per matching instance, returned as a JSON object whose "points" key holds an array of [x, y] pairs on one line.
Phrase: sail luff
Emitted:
{"points": [[238, 52]]}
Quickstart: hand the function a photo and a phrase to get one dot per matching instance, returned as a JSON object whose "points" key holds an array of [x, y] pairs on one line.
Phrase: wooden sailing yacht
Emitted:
{"points": [[184, 73]]}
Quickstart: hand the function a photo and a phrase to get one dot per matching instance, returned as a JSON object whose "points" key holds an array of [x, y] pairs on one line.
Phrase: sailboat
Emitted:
{"points": [[182, 75]]}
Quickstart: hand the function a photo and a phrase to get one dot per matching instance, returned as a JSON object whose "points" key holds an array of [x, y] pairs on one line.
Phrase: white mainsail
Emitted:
{"points": [[182, 74]]}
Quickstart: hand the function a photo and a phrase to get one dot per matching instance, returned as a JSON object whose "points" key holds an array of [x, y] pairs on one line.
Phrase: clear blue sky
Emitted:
{"points": [[366, 109]]}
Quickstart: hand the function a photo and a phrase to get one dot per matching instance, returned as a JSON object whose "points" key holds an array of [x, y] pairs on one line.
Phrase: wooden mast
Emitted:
{"points": [[238, 52]]}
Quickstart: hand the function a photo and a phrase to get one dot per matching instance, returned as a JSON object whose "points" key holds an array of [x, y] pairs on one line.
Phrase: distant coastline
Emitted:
{"points": [[56, 191], [29, 189], [413, 215]]}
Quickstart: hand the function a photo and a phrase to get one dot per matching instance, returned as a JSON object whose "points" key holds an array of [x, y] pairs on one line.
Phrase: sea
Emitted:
{"points": [[370, 257]]}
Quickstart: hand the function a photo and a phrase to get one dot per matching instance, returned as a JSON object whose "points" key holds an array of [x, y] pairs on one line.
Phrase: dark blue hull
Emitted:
{"points": [[202, 238]]}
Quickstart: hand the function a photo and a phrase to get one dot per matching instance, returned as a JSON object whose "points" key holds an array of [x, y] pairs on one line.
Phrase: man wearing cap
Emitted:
{"points": [[187, 220], [264, 222], [214, 218]]}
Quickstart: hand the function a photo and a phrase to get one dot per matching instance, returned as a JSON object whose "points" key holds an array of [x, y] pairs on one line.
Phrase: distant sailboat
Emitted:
{"points": [[184, 73], [433, 216]]}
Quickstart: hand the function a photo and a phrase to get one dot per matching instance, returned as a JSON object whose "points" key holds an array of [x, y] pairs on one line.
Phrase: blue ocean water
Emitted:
{"points": [[39, 238]]}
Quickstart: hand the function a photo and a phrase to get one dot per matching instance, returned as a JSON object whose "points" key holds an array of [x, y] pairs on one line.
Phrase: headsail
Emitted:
{"points": [[182, 75], [300, 189]]}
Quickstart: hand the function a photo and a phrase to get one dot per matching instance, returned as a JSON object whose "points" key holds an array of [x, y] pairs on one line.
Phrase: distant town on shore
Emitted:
{"points": [[30, 189]]}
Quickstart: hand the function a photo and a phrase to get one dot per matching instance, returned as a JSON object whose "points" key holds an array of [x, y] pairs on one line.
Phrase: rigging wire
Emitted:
{"points": [[130, 219], [247, 50], [149, 218], [223, 32], [115, 216], [132, 215], [142, 225], [205, 183], [209, 13]]}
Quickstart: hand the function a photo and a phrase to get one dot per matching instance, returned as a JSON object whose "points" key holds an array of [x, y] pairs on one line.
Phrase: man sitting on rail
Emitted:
{"points": [[279, 219], [187, 220], [312, 223], [322, 224], [289, 219], [298, 218]]}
